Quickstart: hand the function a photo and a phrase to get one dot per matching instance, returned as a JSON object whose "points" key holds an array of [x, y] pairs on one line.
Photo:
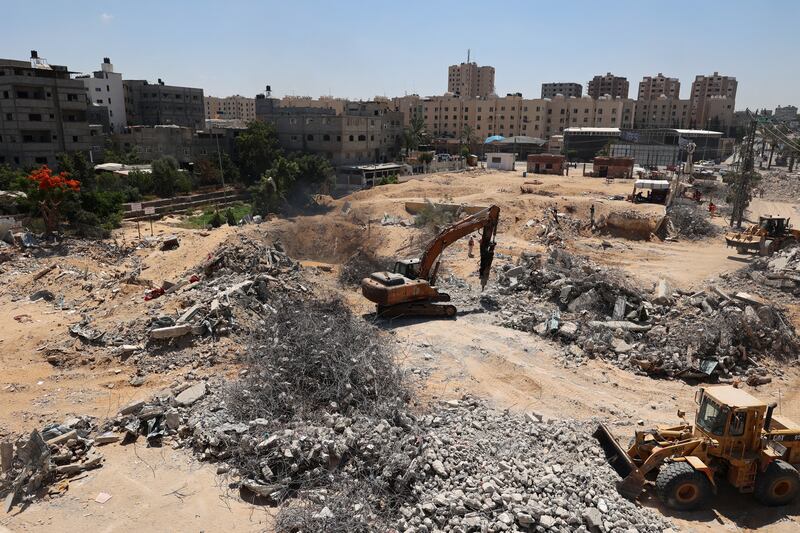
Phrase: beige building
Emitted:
{"points": [[470, 81], [446, 116], [662, 112], [235, 107], [652, 87], [614, 86], [323, 102], [567, 89], [704, 112]]}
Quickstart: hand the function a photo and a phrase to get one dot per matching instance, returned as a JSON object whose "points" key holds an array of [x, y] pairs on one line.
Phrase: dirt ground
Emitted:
{"points": [[164, 489]]}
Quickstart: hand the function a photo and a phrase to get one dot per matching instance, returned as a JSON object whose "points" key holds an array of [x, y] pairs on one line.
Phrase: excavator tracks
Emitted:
{"points": [[413, 309]]}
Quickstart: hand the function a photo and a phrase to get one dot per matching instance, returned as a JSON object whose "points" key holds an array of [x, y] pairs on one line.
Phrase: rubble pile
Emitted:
{"points": [[597, 313], [780, 272], [360, 265], [779, 184], [691, 221], [42, 464]]}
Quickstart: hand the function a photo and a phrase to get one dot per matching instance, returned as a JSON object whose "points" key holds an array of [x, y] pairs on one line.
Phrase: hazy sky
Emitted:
{"points": [[359, 49]]}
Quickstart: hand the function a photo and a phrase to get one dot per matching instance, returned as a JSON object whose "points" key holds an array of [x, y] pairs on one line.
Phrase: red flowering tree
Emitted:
{"points": [[51, 190]]}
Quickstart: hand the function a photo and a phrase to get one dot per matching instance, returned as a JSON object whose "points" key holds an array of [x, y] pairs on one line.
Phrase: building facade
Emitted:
{"points": [[786, 114], [712, 100], [234, 107], [653, 87], [447, 116], [43, 112], [156, 104], [105, 89], [470, 81], [662, 112], [186, 145], [608, 84], [566, 89], [364, 132]]}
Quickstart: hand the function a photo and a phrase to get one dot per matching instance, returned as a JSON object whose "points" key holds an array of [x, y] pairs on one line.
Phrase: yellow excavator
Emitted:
{"points": [[410, 289]]}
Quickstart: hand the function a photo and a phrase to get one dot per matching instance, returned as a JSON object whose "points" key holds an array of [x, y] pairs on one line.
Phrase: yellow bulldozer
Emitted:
{"points": [[735, 437], [765, 238]]}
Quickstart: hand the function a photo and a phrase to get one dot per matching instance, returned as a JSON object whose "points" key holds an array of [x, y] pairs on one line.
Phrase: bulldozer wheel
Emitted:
{"points": [[682, 487], [779, 484]]}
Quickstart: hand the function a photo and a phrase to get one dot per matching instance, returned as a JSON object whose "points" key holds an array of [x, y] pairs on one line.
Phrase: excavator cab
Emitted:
{"points": [[407, 267]]}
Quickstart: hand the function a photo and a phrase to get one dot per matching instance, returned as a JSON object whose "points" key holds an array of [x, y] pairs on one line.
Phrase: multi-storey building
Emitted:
{"points": [[323, 102], [662, 112], [104, 89], [566, 89], [446, 116], [148, 104], [786, 114], [364, 132], [614, 86], [704, 112], [653, 87], [186, 145], [234, 107], [42, 112], [469, 80]]}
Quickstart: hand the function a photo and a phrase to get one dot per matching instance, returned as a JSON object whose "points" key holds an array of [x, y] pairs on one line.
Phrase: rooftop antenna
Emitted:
{"points": [[468, 55]]}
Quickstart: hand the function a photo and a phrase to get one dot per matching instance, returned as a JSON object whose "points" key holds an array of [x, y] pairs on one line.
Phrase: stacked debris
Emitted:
{"points": [[691, 221], [781, 271], [598, 313], [360, 265], [779, 184], [43, 463]]}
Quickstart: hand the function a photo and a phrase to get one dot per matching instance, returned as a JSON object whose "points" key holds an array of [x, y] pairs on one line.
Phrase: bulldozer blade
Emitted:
{"points": [[632, 481]]}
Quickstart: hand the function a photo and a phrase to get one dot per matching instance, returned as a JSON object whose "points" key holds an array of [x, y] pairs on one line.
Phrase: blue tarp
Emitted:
{"points": [[493, 138]]}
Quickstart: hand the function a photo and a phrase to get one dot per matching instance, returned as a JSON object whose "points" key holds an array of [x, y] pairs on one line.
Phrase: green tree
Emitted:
{"points": [[78, 167], [165, 176], [258, 150], [275, 183], [206, 172], [467, 136]]}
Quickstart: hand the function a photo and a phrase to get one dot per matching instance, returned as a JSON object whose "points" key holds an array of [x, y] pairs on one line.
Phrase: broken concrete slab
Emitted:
{"points": [[749, 299], [63, 438], [133, 407], [663, 292], [190, 313], [191, 395], [106, 438], [619, 324], [171, 332]]}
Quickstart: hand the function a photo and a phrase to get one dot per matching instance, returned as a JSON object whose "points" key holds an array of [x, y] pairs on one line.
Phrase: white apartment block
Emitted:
{"points": [[104, 88]]}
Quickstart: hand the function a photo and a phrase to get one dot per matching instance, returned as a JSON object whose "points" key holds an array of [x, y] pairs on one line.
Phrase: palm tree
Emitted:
{"points": [[467, 137], [414, 133]]}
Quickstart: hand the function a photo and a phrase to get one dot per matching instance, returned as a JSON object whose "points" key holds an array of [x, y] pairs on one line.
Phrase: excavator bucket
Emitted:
{"points": [[632, 481]]}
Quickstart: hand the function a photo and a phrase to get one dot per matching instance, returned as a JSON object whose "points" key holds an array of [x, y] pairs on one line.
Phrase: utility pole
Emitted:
{"points": [[744, 179]]}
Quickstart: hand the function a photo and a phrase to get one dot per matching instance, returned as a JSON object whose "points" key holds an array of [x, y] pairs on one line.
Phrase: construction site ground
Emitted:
{"points": [[161, 489]]}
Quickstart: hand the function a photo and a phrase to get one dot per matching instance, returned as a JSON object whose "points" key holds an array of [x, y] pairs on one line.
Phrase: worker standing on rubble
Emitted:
{"points": [[470, 247], [591, 217]]}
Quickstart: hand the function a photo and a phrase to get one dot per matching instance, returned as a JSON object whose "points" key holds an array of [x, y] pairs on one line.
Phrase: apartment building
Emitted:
{"points": [[234, 107], [105, 90], [364, 132], [704, 111], [662, 112], [786, 113], [154, 104], [608, 84], [446, 116], [42, 112], [653, 87], [323, 102], [185, 144], [566, 89], [470, 81]]}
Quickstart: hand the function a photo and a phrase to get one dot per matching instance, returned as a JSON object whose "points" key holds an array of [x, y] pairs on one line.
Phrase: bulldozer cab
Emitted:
{"points": [[774, 226], [731, 417], [407, 267]]}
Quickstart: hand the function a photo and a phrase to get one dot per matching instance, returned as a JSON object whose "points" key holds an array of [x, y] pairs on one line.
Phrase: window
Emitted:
{"points": [[34, 117], [294, 138], [738, 423], [5, 94], [8, 116], [100, 101], [351, 138], [74, 138], [41, 160], [309, 137], [362, 137], [326, 137], [712, 417], [338, 138]]}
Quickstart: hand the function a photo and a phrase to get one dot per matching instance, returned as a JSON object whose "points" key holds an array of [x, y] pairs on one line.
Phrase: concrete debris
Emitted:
{"points": [[46, 457], [191, 395], [709, 335]]}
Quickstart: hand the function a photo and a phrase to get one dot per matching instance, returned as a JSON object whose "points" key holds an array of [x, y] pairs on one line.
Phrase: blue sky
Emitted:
{"points": [[360, 49]]}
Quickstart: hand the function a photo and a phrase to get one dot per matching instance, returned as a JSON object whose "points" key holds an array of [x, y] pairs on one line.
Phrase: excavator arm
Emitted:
{"points": [[485, 219]]}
